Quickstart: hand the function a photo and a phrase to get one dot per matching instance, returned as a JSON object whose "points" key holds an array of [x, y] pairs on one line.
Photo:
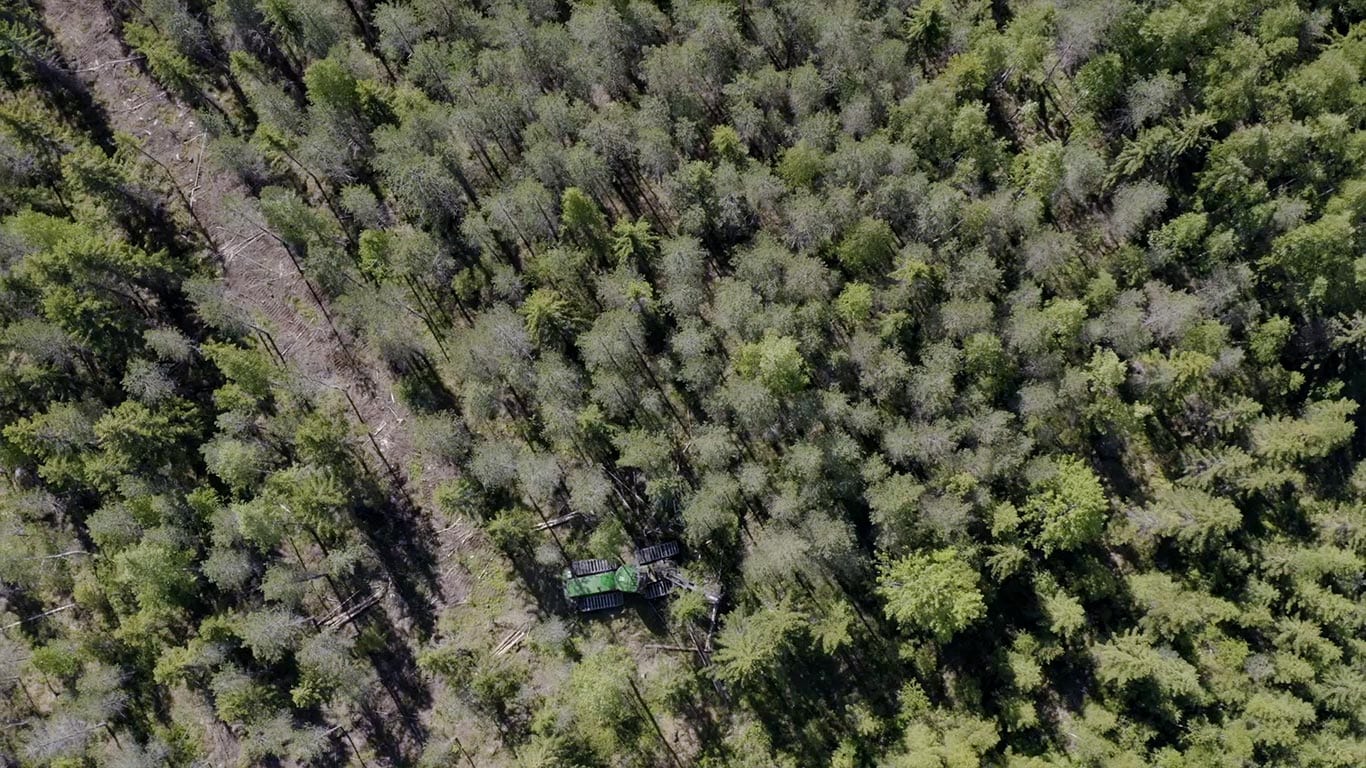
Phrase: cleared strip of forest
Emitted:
{"points": [[261, 280], [258, 273]]}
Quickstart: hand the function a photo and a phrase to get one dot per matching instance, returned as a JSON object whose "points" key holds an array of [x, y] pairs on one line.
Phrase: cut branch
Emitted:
{"points": [[35, 617]]}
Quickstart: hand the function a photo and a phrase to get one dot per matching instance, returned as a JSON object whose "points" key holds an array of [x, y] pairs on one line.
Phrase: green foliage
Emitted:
{"points": [[633, 240], [157, 574], [1068, 507], [774, 361], [855, 303], [868, 247], [1325, 426], [168, 64], [58, 663], [935, 592], [547, 314], [1131, 657], [331, 86], [581, 218], [1099, 82], [1318, 258], [376, 250], [1269, 338], [802, 166], [133, 436], [726, 144], [239, 699], [943, 738], [605, 705], [926, 28], [1065, 614], [752, 646]]}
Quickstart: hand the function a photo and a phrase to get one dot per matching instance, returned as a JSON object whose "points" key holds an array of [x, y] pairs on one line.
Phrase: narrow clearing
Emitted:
{"points": [[259, 278], [257, 271]]}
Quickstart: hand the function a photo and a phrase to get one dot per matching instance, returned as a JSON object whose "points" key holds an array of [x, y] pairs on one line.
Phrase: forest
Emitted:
{"points": [[997, 366]]}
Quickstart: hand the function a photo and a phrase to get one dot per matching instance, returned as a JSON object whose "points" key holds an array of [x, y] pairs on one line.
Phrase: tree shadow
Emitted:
{"points": [[698, 711], [545, 584], [71, 96], [143, 213], [803, 704], [378, 734], [651, 615], [403, 734], [799, 707], [337, 751], [420, 386], [399, 533]]}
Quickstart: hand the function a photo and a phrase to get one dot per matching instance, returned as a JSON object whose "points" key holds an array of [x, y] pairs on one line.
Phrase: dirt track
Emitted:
{"points": [[257, 271]]}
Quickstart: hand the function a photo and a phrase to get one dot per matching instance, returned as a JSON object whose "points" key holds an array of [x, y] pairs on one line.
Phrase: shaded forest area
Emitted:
{"points": [[999, 362]]}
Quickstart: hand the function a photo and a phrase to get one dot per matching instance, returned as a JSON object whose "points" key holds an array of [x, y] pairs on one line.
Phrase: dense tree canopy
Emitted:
{"points": [[998, 365]]}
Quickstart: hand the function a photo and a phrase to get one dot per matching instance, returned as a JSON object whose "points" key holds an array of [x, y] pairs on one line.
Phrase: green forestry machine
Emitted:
{"points": [[599, 585]]}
